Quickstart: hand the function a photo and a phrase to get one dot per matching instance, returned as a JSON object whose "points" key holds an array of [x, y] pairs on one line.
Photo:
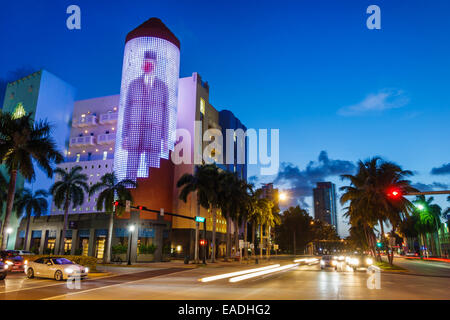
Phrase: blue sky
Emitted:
{"points": [[310, 68]]}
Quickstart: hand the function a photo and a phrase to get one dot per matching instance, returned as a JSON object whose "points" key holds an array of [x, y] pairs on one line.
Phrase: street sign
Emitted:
{"points": [[161, 212], [127, 206], [199, 219]]}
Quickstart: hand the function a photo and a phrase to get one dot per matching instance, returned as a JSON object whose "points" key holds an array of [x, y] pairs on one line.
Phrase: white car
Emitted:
{"points": [[54, 268]]}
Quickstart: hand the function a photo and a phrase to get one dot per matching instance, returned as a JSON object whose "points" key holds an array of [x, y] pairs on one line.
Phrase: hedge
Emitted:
{"points": [[90, 262]]}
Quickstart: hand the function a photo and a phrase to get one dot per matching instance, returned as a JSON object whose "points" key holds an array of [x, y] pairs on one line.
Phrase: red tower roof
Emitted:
{"points": [[153, 27]]}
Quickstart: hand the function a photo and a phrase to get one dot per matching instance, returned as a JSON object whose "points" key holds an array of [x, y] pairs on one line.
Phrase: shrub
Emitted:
{"points": [[150, 249], [90, 262], [119, 249]]}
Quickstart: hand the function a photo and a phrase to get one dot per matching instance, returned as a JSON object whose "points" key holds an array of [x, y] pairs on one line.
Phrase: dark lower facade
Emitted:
{"points": [[87, 234], [183, 244]]}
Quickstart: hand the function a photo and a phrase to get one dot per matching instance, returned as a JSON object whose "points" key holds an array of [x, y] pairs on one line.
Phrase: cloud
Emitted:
{"points": [[376, 102], [444, 169], [429, 187], [301, 182]]}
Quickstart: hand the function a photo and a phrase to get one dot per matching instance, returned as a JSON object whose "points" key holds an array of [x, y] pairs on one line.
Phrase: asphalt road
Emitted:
{"points": [[427, 280]]}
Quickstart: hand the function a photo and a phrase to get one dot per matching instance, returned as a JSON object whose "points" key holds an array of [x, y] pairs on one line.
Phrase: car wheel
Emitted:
{"points": [[3, 276], [58, 275], [30, 273]]}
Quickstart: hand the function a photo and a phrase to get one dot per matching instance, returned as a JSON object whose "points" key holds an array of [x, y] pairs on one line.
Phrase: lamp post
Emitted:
{"points": [[8, 231], [130, 229]]}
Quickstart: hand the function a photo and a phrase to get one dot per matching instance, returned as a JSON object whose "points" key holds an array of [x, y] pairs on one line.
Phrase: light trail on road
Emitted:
{"points": [[260, 273], [237, 273]]}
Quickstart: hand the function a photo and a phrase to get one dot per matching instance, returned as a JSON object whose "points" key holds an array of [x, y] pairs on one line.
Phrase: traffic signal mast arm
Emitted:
{"points": [[427, 193], [118, 203]]}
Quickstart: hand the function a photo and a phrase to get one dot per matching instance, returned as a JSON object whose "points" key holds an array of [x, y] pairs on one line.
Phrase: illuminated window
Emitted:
{"points": [[202, 106], [78, 158], [105, 155]]}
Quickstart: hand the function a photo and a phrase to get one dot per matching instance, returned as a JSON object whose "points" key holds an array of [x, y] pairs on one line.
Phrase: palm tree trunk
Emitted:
{"points": [[253, 237], [9, 205], [236, 235], [26, 232], [245, 239], [107, 256], [228, 238], [213, 241], [260, 240], [63, 236]]}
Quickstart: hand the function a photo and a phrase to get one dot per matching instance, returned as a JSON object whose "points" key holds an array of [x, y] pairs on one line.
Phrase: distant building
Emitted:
{"points": [[46, 97], [325, 203]]}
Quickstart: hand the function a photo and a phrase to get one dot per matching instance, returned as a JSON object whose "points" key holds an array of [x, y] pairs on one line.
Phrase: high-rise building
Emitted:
{"points": [[45, 96], [325, 203]]}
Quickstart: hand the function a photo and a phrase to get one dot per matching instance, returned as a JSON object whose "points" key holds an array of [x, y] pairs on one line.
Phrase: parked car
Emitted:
{"points": [[55, 268]]}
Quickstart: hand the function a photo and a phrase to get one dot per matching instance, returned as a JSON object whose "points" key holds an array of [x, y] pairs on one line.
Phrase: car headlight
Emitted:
{"points": [[26, 262], [69, 270], [355, 261], [369, 261], [9, 262], [6, 266], [322, 262], [341, 258], [86, 270], [334, 262]]}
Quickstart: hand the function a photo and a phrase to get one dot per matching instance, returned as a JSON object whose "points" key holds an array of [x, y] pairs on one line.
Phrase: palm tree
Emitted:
{"points": [[69, 190], [428, 219], [31, 203], [21, 142], [369, 198], [206, 183], [110, 190]]}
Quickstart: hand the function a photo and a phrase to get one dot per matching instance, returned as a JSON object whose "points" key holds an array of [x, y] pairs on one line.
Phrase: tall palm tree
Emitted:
{"points": [[428, 220], [110, 189], [69, 190], [21, 142], [369, 198], [206, 183], [31, 203]]}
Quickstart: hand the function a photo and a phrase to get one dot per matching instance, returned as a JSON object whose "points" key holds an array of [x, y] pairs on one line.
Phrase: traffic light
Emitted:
{"points": [[203, 242], [116, 203], [394, 193]]}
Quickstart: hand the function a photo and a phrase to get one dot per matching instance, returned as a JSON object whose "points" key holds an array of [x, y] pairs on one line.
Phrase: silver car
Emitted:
{"points": [[55, 268]]}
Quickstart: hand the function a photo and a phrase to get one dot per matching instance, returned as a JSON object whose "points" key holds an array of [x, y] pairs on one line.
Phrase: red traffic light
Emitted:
{"points": [[394, 193], [116, 203], [202, 242]]}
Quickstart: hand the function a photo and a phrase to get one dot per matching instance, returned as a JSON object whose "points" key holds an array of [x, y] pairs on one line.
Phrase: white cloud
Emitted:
{"points": [[383, 100]]}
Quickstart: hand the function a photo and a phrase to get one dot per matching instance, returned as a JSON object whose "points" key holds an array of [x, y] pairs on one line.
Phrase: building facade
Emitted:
{"points": [[45, 96], [324, 196], [101, 141]]}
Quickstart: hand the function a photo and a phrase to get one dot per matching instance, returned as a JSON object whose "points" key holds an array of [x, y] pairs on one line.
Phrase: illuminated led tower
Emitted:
{"points": [[148, 100]]}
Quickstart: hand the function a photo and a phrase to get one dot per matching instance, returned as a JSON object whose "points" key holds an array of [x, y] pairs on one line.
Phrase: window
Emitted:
{"points": [[202, 106], [78, 158], [105, 155]]}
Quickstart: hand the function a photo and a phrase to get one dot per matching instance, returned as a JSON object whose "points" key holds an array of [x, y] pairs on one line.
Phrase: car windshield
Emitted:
{"points": [[326, 257], [62, 261]]}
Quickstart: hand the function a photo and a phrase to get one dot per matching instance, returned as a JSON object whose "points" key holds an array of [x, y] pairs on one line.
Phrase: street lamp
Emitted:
{"points": [[282, 196], [420, 206], [131, 230]]}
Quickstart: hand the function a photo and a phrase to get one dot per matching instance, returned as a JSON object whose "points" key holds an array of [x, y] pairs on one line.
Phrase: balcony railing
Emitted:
{"points": [[88, 120], [82, 141], [110, 117], [106, 138]]}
